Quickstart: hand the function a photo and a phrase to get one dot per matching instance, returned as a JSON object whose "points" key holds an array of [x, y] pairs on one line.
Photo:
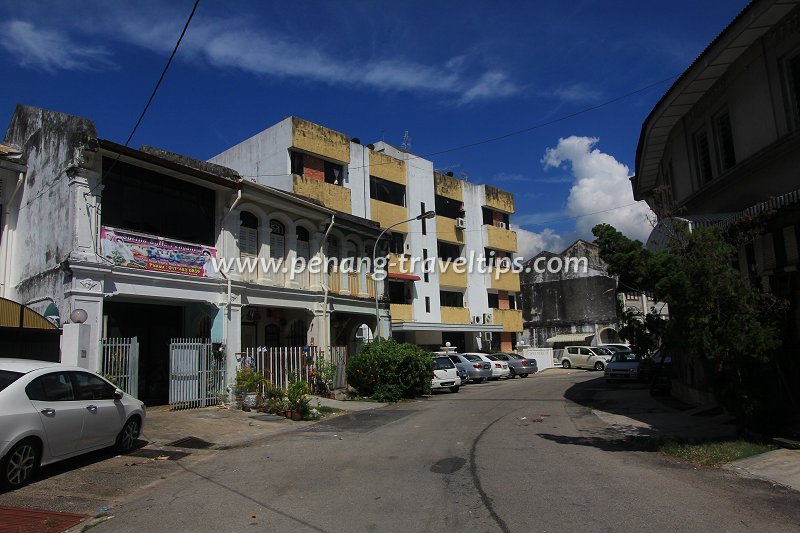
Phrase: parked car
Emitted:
{"points": [[499, 368], [477, 369], [624, 366], [50, 412], [594, 357], [518, 365], [445, 375], [617, 347]]}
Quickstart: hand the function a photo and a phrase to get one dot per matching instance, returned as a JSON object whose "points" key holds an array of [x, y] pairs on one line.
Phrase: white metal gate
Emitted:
{"points": [[196, 374], [120, 363], [278, 363]]}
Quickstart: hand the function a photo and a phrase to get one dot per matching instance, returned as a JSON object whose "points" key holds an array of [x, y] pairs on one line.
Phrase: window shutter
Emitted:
{"points": [[248, 241]]}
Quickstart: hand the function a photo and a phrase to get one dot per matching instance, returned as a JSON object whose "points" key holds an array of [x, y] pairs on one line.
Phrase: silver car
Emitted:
{"points": [[625, 367], [518, 365], [50, 412], [478, 370]]}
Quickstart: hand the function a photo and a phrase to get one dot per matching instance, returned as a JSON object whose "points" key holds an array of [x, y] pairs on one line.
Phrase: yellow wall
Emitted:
{"points": [[387, 214], [499, 199], [387, 167], [394, 266], [501, 239], [318, 140], [507, 281], [510, 319], [331, 196], [401, 312], [451, 278], [446, 230], [448, 186], [455, 315]]}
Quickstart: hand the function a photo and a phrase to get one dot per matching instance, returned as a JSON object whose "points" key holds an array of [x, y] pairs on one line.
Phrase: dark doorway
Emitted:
{"points": [[457, 339], [154, 326]]}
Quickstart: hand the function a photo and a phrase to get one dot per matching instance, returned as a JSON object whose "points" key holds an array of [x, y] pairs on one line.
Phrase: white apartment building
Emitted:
{"points": [[472, 308]]}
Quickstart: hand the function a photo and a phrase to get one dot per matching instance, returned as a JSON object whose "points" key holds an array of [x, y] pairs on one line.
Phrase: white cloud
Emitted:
{"points": [[601, 184], [50, 50], [577, 93], [530, 243]]}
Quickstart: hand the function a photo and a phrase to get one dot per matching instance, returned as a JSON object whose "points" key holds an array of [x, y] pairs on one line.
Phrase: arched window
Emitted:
{"points": [[248, 234], [297, 333], [277, 239], [303, 246]]}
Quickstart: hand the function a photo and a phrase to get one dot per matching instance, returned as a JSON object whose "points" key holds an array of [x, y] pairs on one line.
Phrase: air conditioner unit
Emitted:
{"points": [[487, 336], [477, 319], [501, 225], [461, 223], [487, 318]]}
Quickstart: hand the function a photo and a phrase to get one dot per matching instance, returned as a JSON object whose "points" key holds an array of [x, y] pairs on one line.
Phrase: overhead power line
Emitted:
{"points": [[505, 135]]}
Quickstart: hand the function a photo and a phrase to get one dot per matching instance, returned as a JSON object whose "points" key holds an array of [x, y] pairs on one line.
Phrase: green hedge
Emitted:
{"points": [[388, 371]]}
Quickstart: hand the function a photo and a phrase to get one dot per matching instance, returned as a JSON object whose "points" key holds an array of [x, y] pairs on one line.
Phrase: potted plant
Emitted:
{"points": [[297, 398], [249, 384], [276, 401]]}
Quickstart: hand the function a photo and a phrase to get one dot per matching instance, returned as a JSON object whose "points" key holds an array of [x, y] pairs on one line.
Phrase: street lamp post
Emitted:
{"points": [[424, 216]]}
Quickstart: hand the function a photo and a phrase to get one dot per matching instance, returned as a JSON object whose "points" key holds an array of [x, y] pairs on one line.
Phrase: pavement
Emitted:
{"points": [[225, 428]]}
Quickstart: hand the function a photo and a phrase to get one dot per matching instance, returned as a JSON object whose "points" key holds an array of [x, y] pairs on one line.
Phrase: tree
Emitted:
{"points": [[720, 330]]}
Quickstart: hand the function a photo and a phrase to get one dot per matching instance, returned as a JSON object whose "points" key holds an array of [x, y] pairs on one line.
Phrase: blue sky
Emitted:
{"points": [[448, 75]]}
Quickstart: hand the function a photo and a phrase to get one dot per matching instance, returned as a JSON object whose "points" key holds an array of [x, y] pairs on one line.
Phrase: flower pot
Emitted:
{"points": [[297, 416], [250, 399]]}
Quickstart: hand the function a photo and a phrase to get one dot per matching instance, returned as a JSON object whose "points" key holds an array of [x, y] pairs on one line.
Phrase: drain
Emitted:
{"points": [[154, 454], [191, 442]]}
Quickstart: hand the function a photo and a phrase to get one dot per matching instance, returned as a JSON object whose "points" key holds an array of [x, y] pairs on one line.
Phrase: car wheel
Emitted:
{"points": [[19, 464], [512, 374], [523, 375], [127, 437], [454, 388], [599, 366], [565, 363]]}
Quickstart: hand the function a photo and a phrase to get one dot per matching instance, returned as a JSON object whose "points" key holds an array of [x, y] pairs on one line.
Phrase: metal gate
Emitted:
{"points": [[196, 374], [120, 363]]}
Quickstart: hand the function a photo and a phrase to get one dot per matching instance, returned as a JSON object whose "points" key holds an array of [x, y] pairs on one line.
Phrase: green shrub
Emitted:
{"points": [[388, 371]]}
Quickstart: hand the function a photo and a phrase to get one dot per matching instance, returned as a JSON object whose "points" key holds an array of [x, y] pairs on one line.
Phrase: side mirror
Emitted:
{"points": [[118, 394]]}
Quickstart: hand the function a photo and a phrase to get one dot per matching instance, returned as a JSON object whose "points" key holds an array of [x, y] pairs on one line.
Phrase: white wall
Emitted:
{"points": [[474, 198]]}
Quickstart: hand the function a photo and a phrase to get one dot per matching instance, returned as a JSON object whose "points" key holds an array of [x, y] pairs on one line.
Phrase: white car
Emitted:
{"points": [[50, 412], [445, 375], [594, 357], [499, 368]]}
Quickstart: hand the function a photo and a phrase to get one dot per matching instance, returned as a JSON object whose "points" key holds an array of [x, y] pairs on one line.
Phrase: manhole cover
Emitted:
{"points": [[33, 520], [191, 442], [154, 454]]}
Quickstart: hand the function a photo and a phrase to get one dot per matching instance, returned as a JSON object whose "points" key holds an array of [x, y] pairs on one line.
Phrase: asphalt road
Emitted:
{"points": [[508, 456]]}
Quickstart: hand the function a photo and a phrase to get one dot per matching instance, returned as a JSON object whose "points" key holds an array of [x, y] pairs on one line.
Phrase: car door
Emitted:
{"points": [[584, 355], [61, 414], [104, 415]]}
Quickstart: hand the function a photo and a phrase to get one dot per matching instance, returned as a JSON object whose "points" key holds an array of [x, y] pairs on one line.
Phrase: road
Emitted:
{"points": [[508, 456]]}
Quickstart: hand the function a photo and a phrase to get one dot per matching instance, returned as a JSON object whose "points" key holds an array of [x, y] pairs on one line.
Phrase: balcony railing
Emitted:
{"points": [[500, 238], [510, 319], [401, 312], [455, 315], [503, 281]]}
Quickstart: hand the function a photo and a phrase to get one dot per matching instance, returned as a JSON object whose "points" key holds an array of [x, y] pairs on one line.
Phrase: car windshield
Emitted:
{"points": [[515, 356], [443, 363], [473, 358], [491, 357], [621, 357], [8, 377]]}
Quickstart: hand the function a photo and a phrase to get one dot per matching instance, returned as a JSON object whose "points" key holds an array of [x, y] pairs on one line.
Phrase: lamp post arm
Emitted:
{"points": [[374, 253]]}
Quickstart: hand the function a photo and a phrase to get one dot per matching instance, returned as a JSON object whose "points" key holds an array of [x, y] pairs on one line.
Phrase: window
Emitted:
{"points": [[142, 200], [448, 251], [248, 234], [387, 191], [276, 239], [702, 156], [397, 243], [427, 304], [54, 387], [727, 156], [93, 388], [424, 221], [8, 377], [494, 218], [334, 173], [425, 265], [397, 292], [793, 79], [493, 299], [451, 299], [512, 301], [447, 207], [297, 163], [303, 238]]}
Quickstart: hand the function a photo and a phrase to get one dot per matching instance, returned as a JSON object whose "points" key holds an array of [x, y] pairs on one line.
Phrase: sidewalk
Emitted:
{"points": [[221, 428]]}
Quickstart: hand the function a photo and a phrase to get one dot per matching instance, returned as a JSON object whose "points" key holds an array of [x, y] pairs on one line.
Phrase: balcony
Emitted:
{"points": [[331, 196], [387, 214], [455, 315], [387, 167], [318, 140], [499, 199], [499, 238], [510, 319], [446, 230], [451, 278], [395, 265], [401, 312], [503, 281], [448, 186]]}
